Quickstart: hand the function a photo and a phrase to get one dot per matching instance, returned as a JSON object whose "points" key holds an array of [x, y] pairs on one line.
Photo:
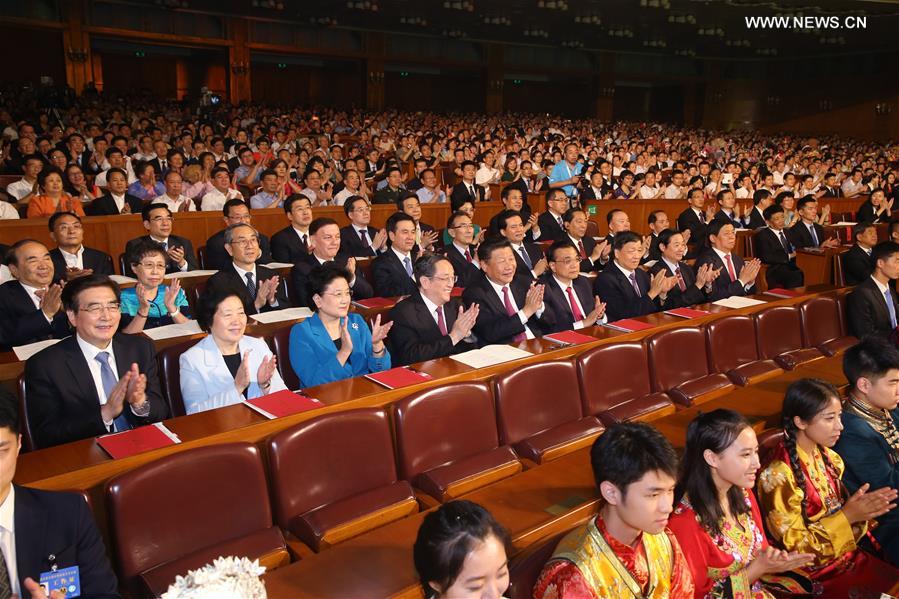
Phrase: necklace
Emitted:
{"points": [[878, 419]]}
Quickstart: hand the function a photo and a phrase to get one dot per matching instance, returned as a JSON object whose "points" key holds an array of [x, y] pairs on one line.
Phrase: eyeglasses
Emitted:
{"points": [[566, 261], [446, 279], [245, 242], [96, 309], [151, 265], [340, 294], [468, 226], [161, 219]]}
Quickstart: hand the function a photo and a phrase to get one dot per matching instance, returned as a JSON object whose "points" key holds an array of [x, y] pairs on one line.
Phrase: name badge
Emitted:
{"points": [[67, 581]]}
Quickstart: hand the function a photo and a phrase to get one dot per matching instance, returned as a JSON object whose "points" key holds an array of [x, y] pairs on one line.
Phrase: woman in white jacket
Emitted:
{"points": [[227, 366]]}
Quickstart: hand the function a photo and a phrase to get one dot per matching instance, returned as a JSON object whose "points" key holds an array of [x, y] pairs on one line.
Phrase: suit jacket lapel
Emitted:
{"points": [[584, 294], [80, 371], [30, 526]]}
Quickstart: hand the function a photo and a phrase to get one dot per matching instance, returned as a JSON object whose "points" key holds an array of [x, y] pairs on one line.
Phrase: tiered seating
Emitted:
{"points": [[733, 350], [680, 366], [779, 333]]}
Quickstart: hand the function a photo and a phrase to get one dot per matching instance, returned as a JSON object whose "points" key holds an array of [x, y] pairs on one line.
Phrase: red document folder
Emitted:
{"points": [[778, 292], [282, 403], [630, 325], [687, 312], [569, 338], [137, 440], [398, 377], [374, 302]]}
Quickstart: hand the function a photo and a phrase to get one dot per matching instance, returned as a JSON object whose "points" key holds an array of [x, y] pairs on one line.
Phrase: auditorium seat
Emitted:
{"points": [[124, 268], [840, 295], [447, 442], [768, 441], [525, 568], [839, 278], [779, 333], [679, 366], [733, 350], [539, 411], [167, 361], [280, 345], [183, 510], [24, 423], [614, 384], [201, 256], [821, 326]]}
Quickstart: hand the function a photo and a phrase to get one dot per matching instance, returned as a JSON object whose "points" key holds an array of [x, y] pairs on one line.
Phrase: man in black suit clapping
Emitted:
{"points": [[856, 262], [737, 277], [567, 294], [691, 287], [872, 307]]}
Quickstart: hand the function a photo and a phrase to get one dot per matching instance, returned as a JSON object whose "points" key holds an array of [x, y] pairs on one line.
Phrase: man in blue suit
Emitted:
{"points": [[44, 531]]}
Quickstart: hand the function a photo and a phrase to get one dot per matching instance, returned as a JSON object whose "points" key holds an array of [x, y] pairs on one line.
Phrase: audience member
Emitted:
{"points": [[626, 288], [291, 243], [594, 256], [27, 187], [70, 258], [696, 221], [658, 222], [117, 200], [806, 232], [462, 250], [235, 212], [550, 223], [53, 197], [690, 287], [761, 199], [467, 189], [529, 258], [325, 244], [776, 252], [149, 303], [146, 188], [872, 306], [391, 272], [737, 277], [359, 239], [567, 294], [876, 209], [425, 235], [221, 191], [856, 262], [159, 222]]}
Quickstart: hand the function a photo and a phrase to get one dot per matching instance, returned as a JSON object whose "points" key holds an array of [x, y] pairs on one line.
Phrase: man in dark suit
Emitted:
{"points": [[627, 289], [235, 212], [158, 222], [358, 238], [729, 209], [807, 233], [425, 235], [657, 222], [462, 252], [774, 250], [392, 272], [872, 306], [513, 199], [830, 187], [736, 276], [696, 219], [117, 199], [566, 294], [598, 189], [550, 222], [690, 288], [528, 256], [70, 258], [30, 304], [594, 256], [510, 309], [761, 199], [93, 382], [52, 530], [324, 238], [291, 244], [467, 190], [259, 287], [430, 323], [856, 262], [77, 153]]}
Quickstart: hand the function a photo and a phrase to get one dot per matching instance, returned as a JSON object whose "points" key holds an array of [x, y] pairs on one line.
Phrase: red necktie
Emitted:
{"points": [[468, 256], [441, 323], [580, 247], [575, 311], [730, 268], [680, 279], [510, 311]]}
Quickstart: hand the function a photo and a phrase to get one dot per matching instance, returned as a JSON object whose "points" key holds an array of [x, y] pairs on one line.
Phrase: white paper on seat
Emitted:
{"points": [[170, 331], [277, 265], [282, 315], [190, 273], [737, 301], [23, 352], [490, 355], [843, 223], [121, 279]]}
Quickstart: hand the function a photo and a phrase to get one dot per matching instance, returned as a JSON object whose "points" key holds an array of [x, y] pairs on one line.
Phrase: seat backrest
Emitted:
{"points": [[820, 317], [610, 375], [778, 330], [199, 290], [281, 348], [841, 311], [184, 502], [167, 361], [534, 398], [768, 441], [201, 256], [442, 425], [839, 278], [677, 356], [730, 342], [525, 568], [329, 458], [24, 423], [124, 267]]}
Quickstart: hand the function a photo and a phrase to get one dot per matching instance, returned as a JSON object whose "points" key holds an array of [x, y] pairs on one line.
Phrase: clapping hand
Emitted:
{"points": [[379, 332], [266, 371], [465, 321], [171, 295]]}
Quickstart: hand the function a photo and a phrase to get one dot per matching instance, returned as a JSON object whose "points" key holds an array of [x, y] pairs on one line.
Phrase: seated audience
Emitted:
{"points": [[335, 344], [876, 209], [462, 251], [221, 192], [566, 174], [716, 518], [425, 235], [359, 239], [149, 303], [467, 207], [461, 551], [627, 549], [690, 287], [227, 366], [729, 209], [391, 272], [70, 258], [618, 221], [430, 323], [95, 381], [695, 220], [761, 199], [30, 303], [776, 252], [259, 287], [235, 212], [158, 221], [531, 263], [27, 187], [869, 442], [52, 198], [512, 199], [805, 504], [856, 262], [658, 222], [272, 193], [737, 277], [429, 192], [467, 189], [806, 232], [324, 241], [594, 256], [291, 243], [146, 188], [627, 289], [174, 196], [510, 309], [550, 223], [567, 294], [872, 306], [117, 200]]}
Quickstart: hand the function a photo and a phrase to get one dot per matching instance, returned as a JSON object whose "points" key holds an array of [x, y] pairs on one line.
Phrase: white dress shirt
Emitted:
{"points": [[215, 199], [498, 289], [578, 324], [19, 189], [75, 260], [8, 211], [175, 203], [8, 538]]}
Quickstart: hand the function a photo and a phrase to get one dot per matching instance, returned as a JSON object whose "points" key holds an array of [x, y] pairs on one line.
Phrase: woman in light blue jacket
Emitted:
{"points": [[335, 344], [227, 366]]}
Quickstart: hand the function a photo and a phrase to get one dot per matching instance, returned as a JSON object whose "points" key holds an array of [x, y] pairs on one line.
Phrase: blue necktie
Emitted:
{"points": [[251, 286], [811, 230], [525, 257], [408, 264], [891, 307], [108, 377]]}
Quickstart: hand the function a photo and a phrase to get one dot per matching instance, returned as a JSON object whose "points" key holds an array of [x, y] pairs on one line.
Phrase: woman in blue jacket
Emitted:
{"points": [[335, 344]]}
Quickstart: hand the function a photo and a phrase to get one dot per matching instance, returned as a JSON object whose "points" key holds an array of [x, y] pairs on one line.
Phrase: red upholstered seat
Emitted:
{"points": [[167, 361], [525, 568], [821, 326], [779, 333], [281, 348], [680, 367], [733, 349]]}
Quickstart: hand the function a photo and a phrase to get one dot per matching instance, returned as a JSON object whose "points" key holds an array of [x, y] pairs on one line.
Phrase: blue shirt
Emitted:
{"points": [[263, 200], [241, 172], [138, 190], [563, 171], [158, 314]]}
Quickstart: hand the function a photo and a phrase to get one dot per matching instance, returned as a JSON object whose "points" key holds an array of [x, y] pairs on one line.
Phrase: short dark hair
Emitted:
{"points": [[446, 537], [871, 358], [76, 286], [116, 170], [146, 210], [568, 216], [665, 236], [226, 209], [716, 225], [426, 265], [502, 219], [805, 201], [652, 218], [209, 301], [49, 170], [779, 198], [348, 204], [623, 238], [406, 195], [144, 247], [759, 196], [268, 173], [321, 276], [486, 249], [11, 259], [9, 413], [58, 215], [219, 169], [858, 229], [611, 214], [504, 194], [318, 223], [395, 219], [294, 197], [627, 451], [451, 221], [771, 210], [559, 245], [468, 163]]}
